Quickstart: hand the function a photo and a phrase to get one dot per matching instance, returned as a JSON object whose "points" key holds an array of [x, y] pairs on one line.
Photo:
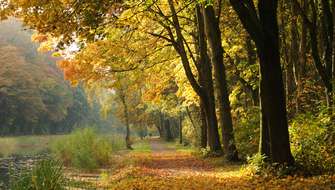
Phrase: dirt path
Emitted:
{"points": [[167, 161], [158, 147], [167, 168]]}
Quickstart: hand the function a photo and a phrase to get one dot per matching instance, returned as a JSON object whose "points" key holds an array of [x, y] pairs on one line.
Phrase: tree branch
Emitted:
{"points": [[248, 16]]}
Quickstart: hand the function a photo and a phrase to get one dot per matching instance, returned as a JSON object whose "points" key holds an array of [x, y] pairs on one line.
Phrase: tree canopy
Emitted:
{"points": [[221, 71]]}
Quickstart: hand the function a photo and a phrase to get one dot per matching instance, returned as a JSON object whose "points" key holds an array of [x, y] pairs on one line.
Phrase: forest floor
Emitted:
{"points": [[168, 167]]}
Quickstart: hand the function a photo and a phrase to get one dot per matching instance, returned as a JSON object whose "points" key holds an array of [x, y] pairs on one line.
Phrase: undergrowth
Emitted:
{"points": [[46, 174], [84, 149], [313, 142]]}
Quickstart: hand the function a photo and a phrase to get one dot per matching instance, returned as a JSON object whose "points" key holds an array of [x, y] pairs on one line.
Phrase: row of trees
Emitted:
{"points": [[166, 57], [34, 97]]}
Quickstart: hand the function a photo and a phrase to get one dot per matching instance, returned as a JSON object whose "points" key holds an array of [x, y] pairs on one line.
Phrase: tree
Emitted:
{"points": [[262, 26], [35, 98], [167, 30], [213, 35], [325, 66]]}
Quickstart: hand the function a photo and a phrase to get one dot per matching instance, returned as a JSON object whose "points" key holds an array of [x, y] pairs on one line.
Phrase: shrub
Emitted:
{"points": [[312, 142], [117, 141], [256, 164], [83, 149], [46, 174], [259, 164], [247, 131]]}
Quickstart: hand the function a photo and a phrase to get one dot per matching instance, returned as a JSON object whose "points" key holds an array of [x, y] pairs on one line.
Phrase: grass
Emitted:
{"points": [[26, 145], [47, 174], [178, 147], [36, 144], [86, 149], [142, 146]]}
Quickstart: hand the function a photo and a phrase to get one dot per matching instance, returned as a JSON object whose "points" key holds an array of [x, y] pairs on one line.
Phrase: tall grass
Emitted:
{"points": [[26, 145], [46, 174], [85, 149]]}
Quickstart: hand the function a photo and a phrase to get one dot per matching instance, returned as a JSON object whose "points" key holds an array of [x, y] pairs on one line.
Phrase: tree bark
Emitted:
{"points": [[213, 35], [300, 68], [327, 30], [204, 126], [126, 116], [273, 96], [264, 141], [167, 129], [207, 98], [292, 71], [161, 125], [263, 28]]}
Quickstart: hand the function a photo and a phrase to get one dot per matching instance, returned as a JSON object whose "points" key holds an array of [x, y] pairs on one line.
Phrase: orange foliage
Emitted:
{"points": [[39, 38]]}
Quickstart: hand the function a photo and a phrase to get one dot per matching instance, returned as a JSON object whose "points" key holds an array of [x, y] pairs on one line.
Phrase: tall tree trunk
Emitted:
{"points": [[213, 35], [126, 117], [161, 125], [201, 80], [207, 97], [327, 30], [204, 126], [264, 141], [167, 129], [272, 89], [300, 68], [263, 28], [292, 73]]}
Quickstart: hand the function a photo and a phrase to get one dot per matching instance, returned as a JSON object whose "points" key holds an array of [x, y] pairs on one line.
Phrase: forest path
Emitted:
{"points": [[166, 159], [157, 146], [170, 167]]}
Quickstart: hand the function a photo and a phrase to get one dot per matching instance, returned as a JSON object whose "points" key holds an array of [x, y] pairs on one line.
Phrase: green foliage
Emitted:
{"points": [[247, 131], [84, 149], [205, 152], [46, 174], [190, 134], [185, 147], [256, 164], [141, 146], [259, 164], [312, 141]]}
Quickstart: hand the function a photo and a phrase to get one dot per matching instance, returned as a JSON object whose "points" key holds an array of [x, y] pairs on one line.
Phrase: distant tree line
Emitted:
{"points": [[34, 98]]}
